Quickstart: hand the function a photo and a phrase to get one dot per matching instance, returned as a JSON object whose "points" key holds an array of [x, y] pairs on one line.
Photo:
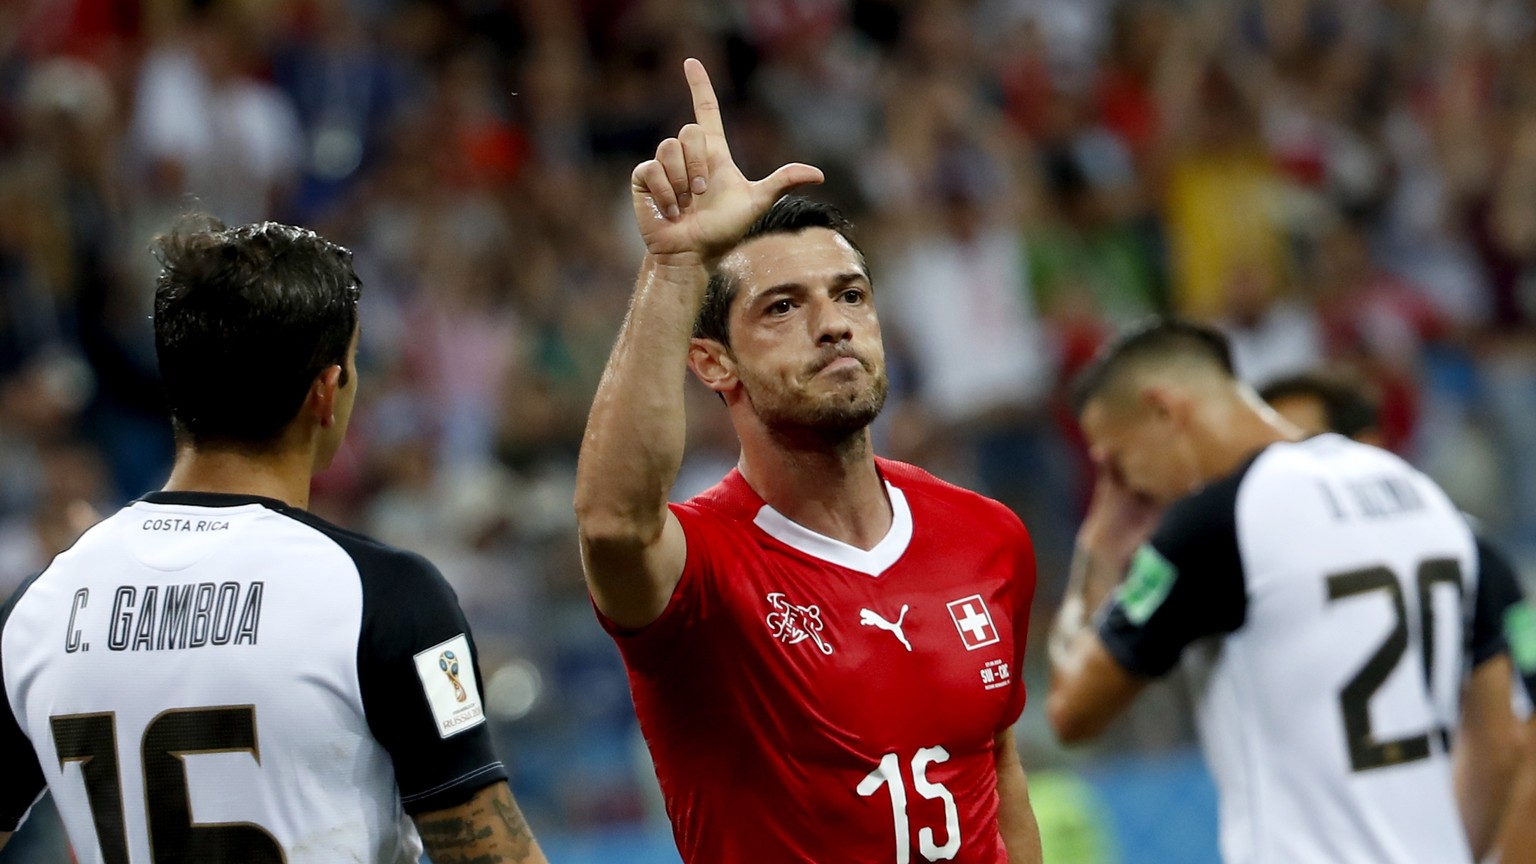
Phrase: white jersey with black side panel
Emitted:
{"points": [[220, 678], [1341, 585]]}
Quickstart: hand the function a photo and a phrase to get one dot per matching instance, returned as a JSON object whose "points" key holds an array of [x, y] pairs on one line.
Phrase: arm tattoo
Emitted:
{"points": [[519, 838], [455, 840], [488, 829]]}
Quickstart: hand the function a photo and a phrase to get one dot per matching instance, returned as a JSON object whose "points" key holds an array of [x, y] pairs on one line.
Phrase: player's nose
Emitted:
{"points": [[830, 323]]}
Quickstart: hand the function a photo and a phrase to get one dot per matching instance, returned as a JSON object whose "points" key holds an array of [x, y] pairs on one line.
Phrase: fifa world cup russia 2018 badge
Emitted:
{"points": [[449, 663], [792, 624]]}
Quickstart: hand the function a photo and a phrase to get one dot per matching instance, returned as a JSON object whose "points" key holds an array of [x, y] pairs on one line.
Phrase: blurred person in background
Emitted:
{"points": [[83, 342], [788, 631], [344, 86], [205, 125], [217, 616], [71, 485], [1193, 532], [1317, 403], [960, 304]]}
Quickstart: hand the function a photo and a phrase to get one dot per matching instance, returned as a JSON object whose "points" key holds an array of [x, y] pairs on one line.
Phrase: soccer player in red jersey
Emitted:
{"points": [[825, 648]]}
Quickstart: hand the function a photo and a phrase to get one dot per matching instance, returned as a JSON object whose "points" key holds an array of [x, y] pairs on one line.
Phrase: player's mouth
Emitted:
{"points": [[840, 361]]}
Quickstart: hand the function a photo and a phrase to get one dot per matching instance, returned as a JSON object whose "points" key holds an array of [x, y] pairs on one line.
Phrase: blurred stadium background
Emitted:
{"points": [[1349, 182]]}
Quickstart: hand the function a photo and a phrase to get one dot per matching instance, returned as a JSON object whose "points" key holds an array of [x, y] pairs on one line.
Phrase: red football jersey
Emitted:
{"points": [[808, 701]]}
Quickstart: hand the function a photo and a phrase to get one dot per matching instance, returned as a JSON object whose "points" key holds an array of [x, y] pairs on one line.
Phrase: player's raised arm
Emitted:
{"points": [[691, 204]]}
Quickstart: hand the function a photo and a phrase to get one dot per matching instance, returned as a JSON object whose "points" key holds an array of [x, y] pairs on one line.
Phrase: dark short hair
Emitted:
{"points": [[1160, 338], [245, 318], [1347, 407], [789, 215]]}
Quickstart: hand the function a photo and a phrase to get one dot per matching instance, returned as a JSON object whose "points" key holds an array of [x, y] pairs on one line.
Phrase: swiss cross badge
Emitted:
{"points": [[792, 624], [974, 621]]}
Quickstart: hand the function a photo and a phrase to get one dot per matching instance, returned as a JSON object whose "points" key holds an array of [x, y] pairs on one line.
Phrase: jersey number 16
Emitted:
{"points": [[91, 740]]}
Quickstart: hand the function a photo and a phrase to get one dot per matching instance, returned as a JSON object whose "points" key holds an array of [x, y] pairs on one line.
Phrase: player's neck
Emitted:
{"points": [[284, 476], [1245, 432], [835, 492]]}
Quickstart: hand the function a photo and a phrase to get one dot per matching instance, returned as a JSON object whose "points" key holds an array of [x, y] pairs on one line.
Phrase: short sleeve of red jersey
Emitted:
{"points": [[708, 539]]}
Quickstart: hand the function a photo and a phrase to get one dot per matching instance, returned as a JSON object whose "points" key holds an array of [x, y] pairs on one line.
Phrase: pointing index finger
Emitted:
{"points": [[706, 107]]}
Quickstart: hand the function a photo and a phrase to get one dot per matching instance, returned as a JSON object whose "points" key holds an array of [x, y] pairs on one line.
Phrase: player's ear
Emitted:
{"points": [[713, 364], [321, 401]]}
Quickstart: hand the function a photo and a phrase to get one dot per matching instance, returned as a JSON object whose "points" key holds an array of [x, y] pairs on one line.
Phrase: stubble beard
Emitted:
{"points": [[833, 417]]}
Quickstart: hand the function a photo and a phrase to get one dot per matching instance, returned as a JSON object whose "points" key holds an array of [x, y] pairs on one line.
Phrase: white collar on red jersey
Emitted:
{"points": [[871, 562]]}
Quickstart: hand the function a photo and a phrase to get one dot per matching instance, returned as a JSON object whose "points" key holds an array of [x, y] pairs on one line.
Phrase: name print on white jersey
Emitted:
{"points": [[172, 617]]}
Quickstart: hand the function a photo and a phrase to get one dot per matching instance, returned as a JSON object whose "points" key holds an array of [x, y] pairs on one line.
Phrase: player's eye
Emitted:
{"points": [[780, 307], [853, 295]]}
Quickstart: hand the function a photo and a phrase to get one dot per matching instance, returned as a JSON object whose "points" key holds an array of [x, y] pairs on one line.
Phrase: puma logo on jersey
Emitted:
{"points": [[870, 618], [792, 624]]}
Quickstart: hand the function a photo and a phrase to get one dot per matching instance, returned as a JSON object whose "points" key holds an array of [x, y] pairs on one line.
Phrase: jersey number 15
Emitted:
{"points": [[889, 774]]}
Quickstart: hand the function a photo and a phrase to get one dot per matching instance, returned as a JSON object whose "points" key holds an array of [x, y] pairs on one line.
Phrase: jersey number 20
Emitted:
{"points": [[91, 740], [1365, 752]]}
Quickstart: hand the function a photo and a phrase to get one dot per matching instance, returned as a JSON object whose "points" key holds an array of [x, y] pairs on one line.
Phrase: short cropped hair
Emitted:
{"points": [[1157, 340], [245, 319], [1347, 407], [789, 215]]}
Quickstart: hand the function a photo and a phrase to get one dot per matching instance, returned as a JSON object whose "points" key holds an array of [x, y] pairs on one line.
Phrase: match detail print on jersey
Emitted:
{"points": [[974, 621], [448, 679], [792, 624]]}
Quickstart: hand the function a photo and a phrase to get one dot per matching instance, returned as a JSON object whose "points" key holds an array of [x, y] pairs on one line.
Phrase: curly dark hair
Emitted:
{"points": [[245, 318]]}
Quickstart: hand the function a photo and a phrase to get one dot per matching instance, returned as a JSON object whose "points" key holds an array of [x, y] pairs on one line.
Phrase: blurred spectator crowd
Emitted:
{"points": [[1349, 183]]}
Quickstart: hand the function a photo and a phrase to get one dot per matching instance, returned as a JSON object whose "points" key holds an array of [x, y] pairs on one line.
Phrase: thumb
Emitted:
{"points": [[795, 174]]}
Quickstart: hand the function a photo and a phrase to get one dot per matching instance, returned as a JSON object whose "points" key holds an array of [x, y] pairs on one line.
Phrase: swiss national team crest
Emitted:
{"points": [[974, 621], [793, 624]]}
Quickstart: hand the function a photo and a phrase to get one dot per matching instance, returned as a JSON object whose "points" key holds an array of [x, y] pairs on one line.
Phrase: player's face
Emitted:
{"points": [[1305, 412], [1145, 450], [805, 340]]}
